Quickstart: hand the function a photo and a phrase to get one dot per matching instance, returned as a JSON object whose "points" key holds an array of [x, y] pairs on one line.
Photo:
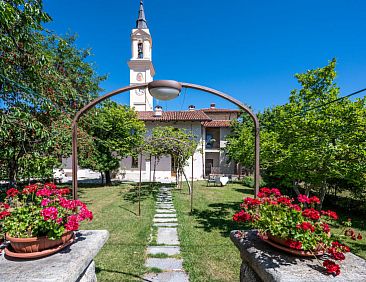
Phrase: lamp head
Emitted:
{"points": [[164, 89]]}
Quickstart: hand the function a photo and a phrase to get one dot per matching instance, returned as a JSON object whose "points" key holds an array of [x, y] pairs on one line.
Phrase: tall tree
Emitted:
{"points": [[315, 141], [44, 80], [116, 132]]}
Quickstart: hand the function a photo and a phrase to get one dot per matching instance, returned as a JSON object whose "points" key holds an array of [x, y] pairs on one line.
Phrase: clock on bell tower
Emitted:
{"points": [[140, 64]]}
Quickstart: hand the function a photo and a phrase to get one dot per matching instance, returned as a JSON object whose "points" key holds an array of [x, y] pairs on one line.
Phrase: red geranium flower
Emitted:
{"points": [[275, 192], [314, 199], [330, 214], [265, 190], [326, 227], [284, 200], [85, 214], [294, 244], [63, 191], [49, 186], [4, 214], [72, 223], [251, 202], [332, 267], [44, 192], [4, 205], [311, 213], [303, 199], [49, 213], [359, 236], [296, 207], [338, 256], [242, 216], [306, 226], [12, 192], [30, 189]]}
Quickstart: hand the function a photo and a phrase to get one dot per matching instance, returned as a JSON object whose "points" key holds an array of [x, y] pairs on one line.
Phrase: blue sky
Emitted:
{"points": [[248, 49]]}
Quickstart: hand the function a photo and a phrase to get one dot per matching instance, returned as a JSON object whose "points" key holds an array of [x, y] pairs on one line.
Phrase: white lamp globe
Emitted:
{"points": [[164, 89]]}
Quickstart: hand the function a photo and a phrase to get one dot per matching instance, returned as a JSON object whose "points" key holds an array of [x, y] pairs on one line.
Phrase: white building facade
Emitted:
{"points": [[209, 126]]}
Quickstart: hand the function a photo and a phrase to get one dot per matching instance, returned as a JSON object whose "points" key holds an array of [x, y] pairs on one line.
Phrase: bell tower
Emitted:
{"points": [[140, 64]]}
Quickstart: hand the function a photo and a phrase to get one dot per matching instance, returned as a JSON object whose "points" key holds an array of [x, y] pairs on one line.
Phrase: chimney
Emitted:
{"points": [[213, 106], [158, 111], [192, 108]]}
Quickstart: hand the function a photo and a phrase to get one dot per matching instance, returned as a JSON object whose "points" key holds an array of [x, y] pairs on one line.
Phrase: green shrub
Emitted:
{"points": [[249, 182]]}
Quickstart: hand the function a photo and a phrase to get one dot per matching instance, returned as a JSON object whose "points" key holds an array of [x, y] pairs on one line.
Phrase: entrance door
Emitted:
{"points": [[208, 166]]}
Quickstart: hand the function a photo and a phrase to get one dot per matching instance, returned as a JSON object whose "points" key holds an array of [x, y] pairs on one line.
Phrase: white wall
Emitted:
{"points": [[163, 169]]}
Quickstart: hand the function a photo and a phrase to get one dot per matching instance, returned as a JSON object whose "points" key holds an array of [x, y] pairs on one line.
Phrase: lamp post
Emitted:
{"points": [[162, 90]]}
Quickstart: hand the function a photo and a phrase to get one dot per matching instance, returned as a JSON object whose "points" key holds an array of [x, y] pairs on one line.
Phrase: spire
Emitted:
{"points": [[141, 21]]}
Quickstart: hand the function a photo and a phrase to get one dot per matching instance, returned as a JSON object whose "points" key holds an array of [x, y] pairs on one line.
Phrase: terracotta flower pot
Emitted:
{"points": [[284, 245], [37, 244]]}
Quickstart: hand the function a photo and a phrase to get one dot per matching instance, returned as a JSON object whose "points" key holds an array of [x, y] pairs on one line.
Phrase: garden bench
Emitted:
{"points": [[211, 180]]}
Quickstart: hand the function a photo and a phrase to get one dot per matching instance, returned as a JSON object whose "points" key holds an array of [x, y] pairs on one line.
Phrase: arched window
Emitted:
{"points": [[140, 50]]}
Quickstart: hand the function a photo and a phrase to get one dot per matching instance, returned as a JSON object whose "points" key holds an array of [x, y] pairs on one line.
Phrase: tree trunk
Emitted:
{"points": [[189, 184], [323, 192], [12, 172], [296, 189], [181, 180], [102, 177], [108, 180], [154, 179], [177, 178], [150, 169]]}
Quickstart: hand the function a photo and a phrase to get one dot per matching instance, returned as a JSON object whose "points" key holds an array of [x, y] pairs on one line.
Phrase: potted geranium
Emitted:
{"points": [[297, 228], [40, 217]]}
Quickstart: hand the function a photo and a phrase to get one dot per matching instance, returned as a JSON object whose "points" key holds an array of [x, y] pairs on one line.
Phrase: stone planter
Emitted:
{"points": [[74, 263], [262, 262]]}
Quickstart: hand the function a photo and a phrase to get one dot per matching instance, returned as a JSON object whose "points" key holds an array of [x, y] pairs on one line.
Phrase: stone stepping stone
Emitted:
{"points": [[167, 236], [160, 220], [164, 202], [165, 206], [166, 224], [165, 215], [176, 276], [170, 264], [165, 211], [168, 250]]}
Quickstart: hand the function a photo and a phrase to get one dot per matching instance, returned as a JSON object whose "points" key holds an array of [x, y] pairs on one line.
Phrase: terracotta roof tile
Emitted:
{"points": [[174, 116], [217, 110], [217, 123]]}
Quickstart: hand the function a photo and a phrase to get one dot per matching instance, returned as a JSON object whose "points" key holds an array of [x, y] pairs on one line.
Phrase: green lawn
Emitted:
{"points": [[115, 209], [207, 250]]}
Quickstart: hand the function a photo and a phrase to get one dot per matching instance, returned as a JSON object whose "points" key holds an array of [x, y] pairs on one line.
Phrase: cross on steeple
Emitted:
{"points": [[141, 21]]}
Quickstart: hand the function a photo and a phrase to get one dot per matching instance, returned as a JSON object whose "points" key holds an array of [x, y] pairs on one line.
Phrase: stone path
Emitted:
{"points": [[164, 251]]}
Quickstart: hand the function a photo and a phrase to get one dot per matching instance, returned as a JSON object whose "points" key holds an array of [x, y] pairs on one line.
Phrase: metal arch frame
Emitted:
{"points": [[144, 85]]}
